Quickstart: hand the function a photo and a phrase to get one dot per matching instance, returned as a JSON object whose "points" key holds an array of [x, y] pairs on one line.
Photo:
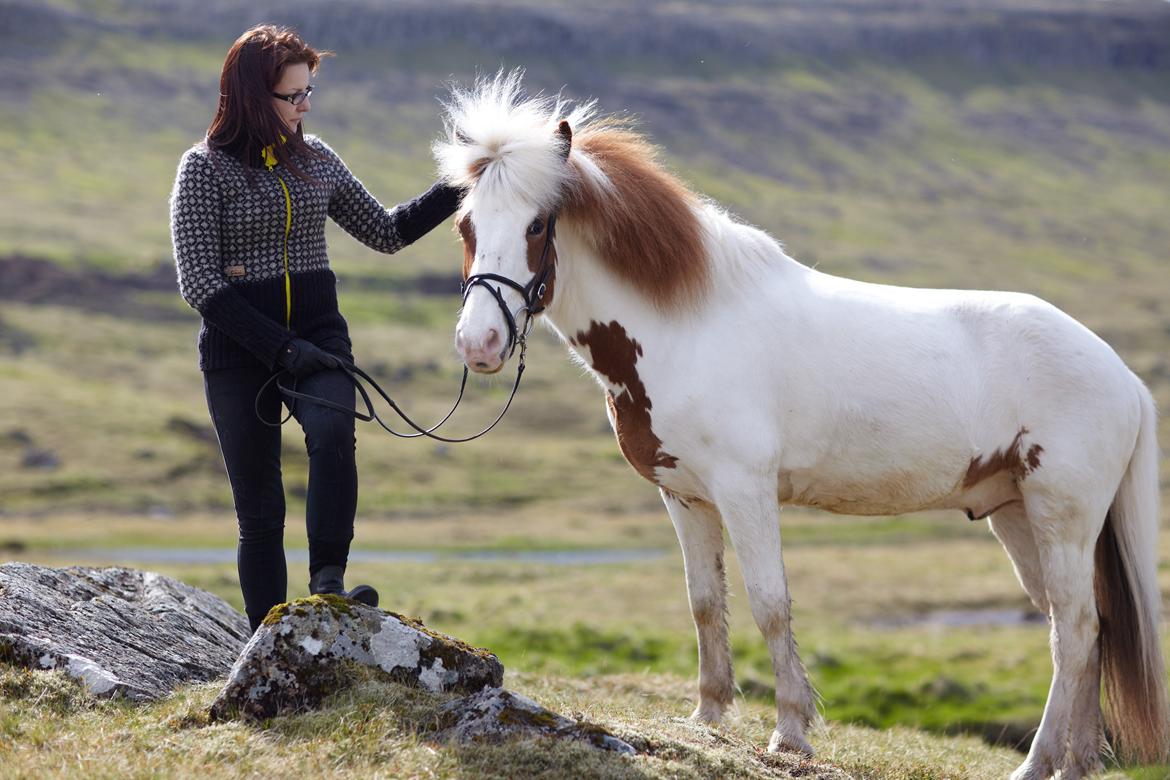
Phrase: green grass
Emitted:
{"points": [[561, 621], [382, 729]]}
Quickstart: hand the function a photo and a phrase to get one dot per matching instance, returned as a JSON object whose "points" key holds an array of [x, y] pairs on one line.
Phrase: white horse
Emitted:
{"points": [[738, 380]]}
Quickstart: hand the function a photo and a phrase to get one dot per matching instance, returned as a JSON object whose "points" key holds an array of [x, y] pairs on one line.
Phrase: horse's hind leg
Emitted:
{"points": [[1011, 526], [752, 517], [1014, 530], [700, 534], [1065, 533]]}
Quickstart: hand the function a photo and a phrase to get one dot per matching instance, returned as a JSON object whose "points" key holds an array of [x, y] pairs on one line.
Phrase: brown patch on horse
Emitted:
{"points": [[645, 227], [614, 355], [1009, 460], [684, 502], [467, 233], [476, 169], [535, 250]]}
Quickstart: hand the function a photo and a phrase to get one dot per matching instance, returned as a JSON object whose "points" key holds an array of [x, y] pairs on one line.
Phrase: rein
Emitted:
{"points": [[532, 294], [357, 375]]}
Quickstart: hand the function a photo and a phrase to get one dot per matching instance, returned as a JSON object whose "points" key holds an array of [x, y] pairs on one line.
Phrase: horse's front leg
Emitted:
{"points": [[752, 516], [700, 534]]}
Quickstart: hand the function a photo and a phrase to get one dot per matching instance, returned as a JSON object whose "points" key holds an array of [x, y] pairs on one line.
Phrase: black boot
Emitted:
{"points": [[330, 579]]}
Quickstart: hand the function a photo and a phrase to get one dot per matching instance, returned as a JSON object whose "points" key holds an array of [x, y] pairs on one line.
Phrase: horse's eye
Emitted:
{"points": [[536, 228]]}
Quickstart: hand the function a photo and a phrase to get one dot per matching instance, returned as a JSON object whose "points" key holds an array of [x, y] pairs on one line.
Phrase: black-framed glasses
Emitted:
{"points": [[296, 98]]}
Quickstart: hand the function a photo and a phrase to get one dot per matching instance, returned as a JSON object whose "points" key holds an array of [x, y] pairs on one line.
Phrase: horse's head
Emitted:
{"points": [[510, 154], [509, 269]]}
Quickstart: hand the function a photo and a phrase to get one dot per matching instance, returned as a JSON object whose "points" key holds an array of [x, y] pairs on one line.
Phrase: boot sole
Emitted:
{"points": [[364, 594]]}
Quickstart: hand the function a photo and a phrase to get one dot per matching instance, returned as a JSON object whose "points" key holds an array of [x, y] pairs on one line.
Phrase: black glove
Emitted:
{"points": [[301, 358]]}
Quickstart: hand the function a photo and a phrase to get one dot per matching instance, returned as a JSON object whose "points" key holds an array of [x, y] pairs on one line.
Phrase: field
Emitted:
{"points": [[1021, 170]]}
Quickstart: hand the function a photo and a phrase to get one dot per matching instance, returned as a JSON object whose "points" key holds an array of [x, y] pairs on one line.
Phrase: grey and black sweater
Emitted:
{"points": [[229, 242]]}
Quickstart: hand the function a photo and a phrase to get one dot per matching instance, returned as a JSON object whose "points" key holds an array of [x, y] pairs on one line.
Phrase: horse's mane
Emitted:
{"points": [[504, 146]]}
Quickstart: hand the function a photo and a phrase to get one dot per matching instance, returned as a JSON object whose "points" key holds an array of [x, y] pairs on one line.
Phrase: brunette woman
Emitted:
{"points": [[248, 225]]}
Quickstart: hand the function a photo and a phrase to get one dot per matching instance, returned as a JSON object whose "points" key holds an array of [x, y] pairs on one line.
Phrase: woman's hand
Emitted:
{"points": [[301, 358]]}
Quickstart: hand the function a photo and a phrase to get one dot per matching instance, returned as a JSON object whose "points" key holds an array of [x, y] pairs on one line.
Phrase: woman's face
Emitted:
{"points": [[293, 79]]}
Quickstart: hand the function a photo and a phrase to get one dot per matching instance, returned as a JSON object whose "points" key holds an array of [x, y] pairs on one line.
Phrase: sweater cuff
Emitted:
{"points": [[420, 216], [231, 313]]}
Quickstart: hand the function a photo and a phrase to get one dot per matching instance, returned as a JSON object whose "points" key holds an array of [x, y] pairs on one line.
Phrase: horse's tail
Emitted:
{"points": [[1129, 605]]}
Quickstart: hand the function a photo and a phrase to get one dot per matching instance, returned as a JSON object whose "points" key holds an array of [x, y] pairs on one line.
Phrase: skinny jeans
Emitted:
{"points": [[251, 453]]}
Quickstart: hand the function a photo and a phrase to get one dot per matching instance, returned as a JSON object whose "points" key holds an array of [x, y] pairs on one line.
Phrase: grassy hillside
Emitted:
{"points": [[1007, 145], [1008, 171]]}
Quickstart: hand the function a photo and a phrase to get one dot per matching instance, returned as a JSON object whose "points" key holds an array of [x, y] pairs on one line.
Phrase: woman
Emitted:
{"points": [[248, 225]]}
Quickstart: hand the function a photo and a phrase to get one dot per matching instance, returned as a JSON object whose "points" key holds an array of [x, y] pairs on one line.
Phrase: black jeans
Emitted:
{"points": [[251, 452]]}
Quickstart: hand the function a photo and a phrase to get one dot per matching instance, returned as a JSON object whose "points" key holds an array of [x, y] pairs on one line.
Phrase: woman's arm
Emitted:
{"points": [[387, 230], [195, 226]]}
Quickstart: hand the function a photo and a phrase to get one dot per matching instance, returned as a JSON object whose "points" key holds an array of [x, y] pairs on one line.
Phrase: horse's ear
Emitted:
{"points": [[566, 135]]}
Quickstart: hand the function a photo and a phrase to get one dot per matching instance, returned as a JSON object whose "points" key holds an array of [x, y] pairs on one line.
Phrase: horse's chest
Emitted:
{"points": [[614, 356]]}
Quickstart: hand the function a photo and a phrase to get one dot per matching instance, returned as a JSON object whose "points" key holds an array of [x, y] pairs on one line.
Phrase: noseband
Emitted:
{"points": [[532, 293]]}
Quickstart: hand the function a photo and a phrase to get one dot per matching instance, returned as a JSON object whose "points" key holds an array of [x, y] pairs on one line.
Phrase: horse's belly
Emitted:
{"points": [[892, 491]]}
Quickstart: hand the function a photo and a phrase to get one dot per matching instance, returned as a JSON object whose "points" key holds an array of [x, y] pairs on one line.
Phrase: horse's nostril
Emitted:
{"points": [[493, 340]]}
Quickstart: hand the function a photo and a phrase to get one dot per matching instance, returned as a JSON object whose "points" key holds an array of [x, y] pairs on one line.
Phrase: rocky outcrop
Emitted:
{"points": [[305, 650], [299, 654], [140, 635], [495, 715], [120, 631]]}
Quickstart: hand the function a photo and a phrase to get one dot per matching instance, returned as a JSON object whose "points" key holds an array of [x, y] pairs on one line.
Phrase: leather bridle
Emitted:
{"points": [[533, 293]]}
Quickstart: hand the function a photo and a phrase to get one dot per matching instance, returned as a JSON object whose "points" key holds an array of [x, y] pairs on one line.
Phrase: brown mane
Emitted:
{"points": [[645, 228]]}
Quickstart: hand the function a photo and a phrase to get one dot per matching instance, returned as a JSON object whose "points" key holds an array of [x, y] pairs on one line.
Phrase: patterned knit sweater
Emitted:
{"points": [[230, 239]]}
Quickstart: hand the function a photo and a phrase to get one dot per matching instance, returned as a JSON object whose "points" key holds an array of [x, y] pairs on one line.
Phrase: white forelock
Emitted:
{"points": [[502, 144]]}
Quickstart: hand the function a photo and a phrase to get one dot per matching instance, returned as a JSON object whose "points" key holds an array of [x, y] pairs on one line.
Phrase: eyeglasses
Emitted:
{"points": [[297, 97]]}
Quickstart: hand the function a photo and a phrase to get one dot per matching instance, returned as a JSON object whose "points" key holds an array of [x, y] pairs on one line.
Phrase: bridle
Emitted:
{"points": [[532, 293]]}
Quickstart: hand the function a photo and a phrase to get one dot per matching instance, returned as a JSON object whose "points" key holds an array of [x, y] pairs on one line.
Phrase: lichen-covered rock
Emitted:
{"points": [[120, 631], [298, 656], [494, 715]]}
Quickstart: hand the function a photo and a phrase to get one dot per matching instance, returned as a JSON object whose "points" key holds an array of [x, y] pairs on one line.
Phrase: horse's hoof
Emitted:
{"points": [[711, 715], [790, 743], [1079, 768], [1032, 770]]}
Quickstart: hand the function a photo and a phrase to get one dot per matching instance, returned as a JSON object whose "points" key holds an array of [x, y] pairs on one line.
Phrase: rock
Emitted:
{"points": [[304, 650], [300, 652], [121, 631], [495, 715], [192, 430], [38, 458], [17, 436]]}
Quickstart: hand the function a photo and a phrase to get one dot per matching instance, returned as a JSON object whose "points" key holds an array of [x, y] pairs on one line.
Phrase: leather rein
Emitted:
{"points": [[532, 293]]}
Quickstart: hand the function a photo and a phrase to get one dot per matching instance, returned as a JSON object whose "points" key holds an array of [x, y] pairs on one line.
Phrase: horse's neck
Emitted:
{"points": [[587, 292], [749, 270]]}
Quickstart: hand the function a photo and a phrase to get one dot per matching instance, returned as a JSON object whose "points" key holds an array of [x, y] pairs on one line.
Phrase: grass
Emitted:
{"points": [[870, 667], [379, 729]]}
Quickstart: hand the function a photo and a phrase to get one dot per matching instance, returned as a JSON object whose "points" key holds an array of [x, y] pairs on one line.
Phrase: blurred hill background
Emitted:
{"points": [[1010, 145], [1014, 145]]}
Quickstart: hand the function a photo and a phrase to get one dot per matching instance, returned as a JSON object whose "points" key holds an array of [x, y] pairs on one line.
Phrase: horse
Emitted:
{"points": [[738, 380]]}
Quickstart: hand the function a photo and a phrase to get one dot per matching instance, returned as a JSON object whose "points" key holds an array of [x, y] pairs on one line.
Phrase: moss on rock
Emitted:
{"points": [[304, 648]]}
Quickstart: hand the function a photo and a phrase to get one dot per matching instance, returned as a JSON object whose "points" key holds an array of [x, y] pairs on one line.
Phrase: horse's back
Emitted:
{"points": [[897, 397]]}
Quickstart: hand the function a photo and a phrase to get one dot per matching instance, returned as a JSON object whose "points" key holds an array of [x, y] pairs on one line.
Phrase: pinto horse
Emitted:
{"points": [[738, 380]]}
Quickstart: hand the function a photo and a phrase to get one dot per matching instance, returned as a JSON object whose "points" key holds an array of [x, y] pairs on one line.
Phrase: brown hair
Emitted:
{"points": [[245, 121], [644, 225]]}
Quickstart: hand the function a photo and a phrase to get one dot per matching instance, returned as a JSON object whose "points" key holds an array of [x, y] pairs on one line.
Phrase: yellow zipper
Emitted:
{"points": [[270, 162], [287, 229]]}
